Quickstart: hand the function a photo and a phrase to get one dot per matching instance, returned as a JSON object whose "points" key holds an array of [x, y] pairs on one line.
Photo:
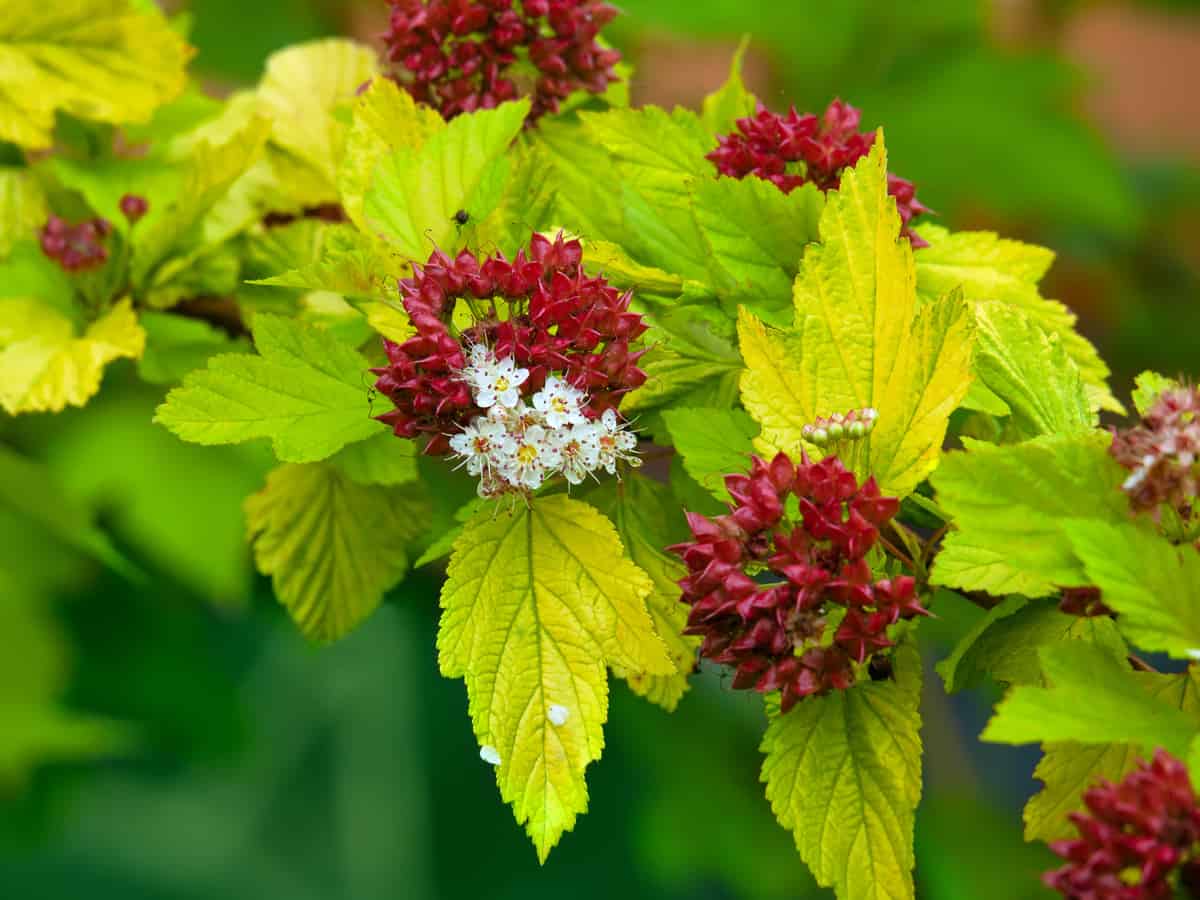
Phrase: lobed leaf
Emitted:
{"points": [[843, 774], [535, 605], [713, 444]]}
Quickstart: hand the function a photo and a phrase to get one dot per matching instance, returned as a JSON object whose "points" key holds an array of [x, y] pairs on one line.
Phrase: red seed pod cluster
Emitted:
{"points": [[1162, 453], [77, 248], [133, 207], [799, 149], [556, 320], [773, 633], [1145, 828], [462, 55], [1085, 602]]}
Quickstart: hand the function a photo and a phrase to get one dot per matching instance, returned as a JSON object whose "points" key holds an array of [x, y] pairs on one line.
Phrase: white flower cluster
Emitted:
{"points": [[517, 446]]}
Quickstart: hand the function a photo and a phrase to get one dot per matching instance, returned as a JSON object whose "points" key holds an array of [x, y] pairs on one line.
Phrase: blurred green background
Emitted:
{"points": [[237, 762]]}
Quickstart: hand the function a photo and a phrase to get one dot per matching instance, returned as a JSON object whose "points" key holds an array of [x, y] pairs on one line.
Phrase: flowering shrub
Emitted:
{"points": [[465, 291]]}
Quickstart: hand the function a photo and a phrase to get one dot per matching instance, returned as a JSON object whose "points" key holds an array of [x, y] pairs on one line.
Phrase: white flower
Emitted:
{"points": [[489, 755], [615, 442], [482, 445], [559, 403], [497, 383], [579, 447], [533, 457], [558, 714]]}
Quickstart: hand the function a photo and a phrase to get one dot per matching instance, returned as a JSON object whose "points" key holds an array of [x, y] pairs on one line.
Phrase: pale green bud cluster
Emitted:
{"points": [[851, 426]]}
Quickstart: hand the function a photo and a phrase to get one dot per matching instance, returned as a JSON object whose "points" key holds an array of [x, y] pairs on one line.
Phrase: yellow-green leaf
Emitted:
{"points": [[988, 267], [859, 340], [843, 774], [22, 206], [46, 365], [95, 59], [648, 520], [386, 119], [536, 605], [304, 92], [331, 546]]}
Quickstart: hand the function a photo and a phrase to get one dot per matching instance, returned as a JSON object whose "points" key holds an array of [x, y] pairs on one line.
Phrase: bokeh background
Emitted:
{"points": [[237, 762]]}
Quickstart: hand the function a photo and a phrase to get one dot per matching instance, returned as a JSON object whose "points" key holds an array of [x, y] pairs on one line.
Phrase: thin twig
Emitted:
{"points": [[903, 557], [1140, 664]]}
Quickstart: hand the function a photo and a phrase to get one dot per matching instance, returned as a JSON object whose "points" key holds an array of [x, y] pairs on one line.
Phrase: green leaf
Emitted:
{"points": [[175, 345], [1149, 386], [843, 774], [988, 267], [1092, 698], [46, 365], [732, 101], [713, 444], [385, 120], [1009, 504], [344, 261], [658, 156], [206, 212], [414, 194], [95, 59], [860, 341], [22, 206], [306, 391], [693, 363], [1067, 769], [331, 546], [535, 606], [648, 520], [1031, 372], [756, 235], [382, 458], [304, 92], [1004, 644], [1153, 586]]}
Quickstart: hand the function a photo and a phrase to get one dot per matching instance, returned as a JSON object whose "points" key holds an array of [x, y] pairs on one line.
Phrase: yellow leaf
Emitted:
{"points": [[95, 59], [45, 366], [303, 90], [859, 340], [22, 206], [535, 607]]}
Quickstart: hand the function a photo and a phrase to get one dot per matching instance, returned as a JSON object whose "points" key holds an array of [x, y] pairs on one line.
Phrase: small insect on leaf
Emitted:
{"points": [[462, 217]]}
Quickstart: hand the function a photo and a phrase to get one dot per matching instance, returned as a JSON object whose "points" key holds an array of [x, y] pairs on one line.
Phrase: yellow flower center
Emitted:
{"points": [[501, 384], [527, 453], [558, 405]]}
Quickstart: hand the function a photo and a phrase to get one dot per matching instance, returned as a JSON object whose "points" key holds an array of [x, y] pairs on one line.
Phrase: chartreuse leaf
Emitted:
{"points": [[648, 520], [860, 341], [1091, 698], [385, 119], [305, 391], [1068, 769], [22, 206], [756, 235], [347, 262], [305, 92], [732, 101], [843, 774], [1009, 505], [713, 443], [173, 241], [46, 364], [535, 606], [95, 59], [1031, 372], [1152, 585], [415, 193], [1004, 643], [582, 173], [331, 546], [1148, 386], [988, 267]]}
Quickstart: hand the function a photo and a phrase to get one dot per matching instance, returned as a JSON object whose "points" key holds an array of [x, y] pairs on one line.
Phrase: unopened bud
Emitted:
{"points": [[836, 430], [820, 437], [856, 429]]}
